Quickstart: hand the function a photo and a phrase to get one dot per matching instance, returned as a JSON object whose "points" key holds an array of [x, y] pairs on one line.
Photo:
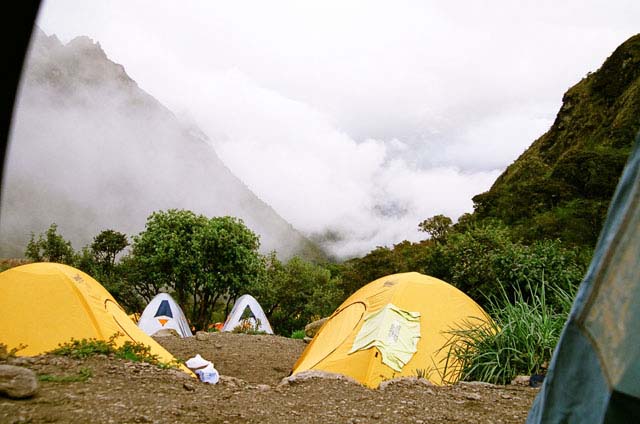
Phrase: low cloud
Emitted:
{"points": [[322, 180], [358, 120]]}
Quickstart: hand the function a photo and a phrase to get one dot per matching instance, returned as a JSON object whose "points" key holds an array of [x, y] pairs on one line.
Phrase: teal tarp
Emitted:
{"points": [[594, 375]]}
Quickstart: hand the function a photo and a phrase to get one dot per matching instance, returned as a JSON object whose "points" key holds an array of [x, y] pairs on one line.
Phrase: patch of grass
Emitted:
{"points": [[519, 341], [423, 373], [83, 375], [80, 349], [131, 351], [298, 334]]}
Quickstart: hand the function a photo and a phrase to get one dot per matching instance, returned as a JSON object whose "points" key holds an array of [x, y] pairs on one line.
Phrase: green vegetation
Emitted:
{"points": [[298, 334], [131, 351], [83, 375], [519, 341], [422, 373], [437, 227], [50, 247], [80, 349], [204, 263], [199, 259], [295, 293], [561, 186]]}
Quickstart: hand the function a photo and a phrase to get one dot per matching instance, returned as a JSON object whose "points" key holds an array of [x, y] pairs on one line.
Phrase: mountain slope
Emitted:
{"points": [[90, 150], [561, 186]]}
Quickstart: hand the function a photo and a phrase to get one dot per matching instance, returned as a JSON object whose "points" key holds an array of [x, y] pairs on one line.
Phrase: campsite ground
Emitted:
{"points": [[252, 367]]}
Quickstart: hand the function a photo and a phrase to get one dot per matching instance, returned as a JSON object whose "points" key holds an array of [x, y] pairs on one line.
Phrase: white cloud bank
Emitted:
{"points": [[361, 117]]}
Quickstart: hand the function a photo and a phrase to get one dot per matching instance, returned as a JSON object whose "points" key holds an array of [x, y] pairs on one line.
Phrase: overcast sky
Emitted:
{"points": [[358, 117]]}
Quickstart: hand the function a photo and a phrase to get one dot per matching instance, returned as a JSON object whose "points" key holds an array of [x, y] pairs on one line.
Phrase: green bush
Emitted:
{"points": [[80, 349], [131, 351], [295, 293], [485, 261], [519, 341], [298, 334]]}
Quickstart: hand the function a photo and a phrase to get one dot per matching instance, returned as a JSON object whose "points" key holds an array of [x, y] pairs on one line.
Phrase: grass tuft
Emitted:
{"points": [[519, 341], [298, 334], [83, 375], [131, 351]]}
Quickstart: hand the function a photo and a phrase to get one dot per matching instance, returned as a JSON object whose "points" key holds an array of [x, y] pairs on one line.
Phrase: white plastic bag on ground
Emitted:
{"points": [[208, 374], [196, 362]]}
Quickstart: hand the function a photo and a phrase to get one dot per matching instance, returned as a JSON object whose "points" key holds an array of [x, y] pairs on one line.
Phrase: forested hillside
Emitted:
{"points": [[561, 186]]}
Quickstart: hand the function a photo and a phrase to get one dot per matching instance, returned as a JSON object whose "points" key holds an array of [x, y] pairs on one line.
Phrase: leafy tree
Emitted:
{"points": [[402, 257], [106, 246], [484, 260], [360, 271], [200, 259], [295, 293], [437, 227], [164, 251], [227, 256], [50, 247]]}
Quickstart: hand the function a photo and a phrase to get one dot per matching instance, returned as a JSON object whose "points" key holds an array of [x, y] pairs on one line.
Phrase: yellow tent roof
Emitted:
{"points": [[440, 308], [45, 304]]}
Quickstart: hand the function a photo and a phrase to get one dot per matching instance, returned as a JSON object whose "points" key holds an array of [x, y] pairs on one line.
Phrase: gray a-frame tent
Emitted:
{"points": [[594, 375]]}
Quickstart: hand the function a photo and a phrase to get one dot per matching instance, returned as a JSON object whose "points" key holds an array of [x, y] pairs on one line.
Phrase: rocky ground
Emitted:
{"points": [[251, 390]]}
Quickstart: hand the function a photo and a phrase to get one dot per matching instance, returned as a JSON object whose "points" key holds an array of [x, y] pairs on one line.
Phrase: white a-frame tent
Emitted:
{"points": [[248, 309], [164, 313]]}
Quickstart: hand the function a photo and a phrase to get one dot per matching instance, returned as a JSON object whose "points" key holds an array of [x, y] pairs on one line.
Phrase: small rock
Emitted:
{"points": [[307, 339], [218, 346], [17, 382], [180, 374], [473, 396], [521, 380], [202, 336], [189, 387], [312, 328], [263, 387], [22, 361], [232, 381], [475, 384]]}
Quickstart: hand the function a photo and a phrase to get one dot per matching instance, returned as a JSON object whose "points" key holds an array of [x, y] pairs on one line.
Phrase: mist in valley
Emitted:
{"points": [[345, 125], [90, 151]]}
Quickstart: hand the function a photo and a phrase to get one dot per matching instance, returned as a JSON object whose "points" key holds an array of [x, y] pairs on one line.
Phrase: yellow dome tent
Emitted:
{"points": [[398, 325], [45, 304]]}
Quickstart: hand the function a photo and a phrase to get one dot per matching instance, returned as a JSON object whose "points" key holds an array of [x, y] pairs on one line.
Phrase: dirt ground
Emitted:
{"points": [[251, 366]]}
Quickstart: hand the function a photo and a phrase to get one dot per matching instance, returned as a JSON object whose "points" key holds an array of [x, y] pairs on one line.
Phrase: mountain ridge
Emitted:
{"points": [[560, 187], [91, 150]]}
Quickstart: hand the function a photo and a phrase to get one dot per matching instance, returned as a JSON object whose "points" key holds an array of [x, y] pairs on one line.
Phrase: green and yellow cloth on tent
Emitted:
{"points": [[394, 332]]}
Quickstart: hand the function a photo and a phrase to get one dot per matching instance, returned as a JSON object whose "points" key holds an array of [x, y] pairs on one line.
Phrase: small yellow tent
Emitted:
{"points": [[45, 304], [395, 326]]}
